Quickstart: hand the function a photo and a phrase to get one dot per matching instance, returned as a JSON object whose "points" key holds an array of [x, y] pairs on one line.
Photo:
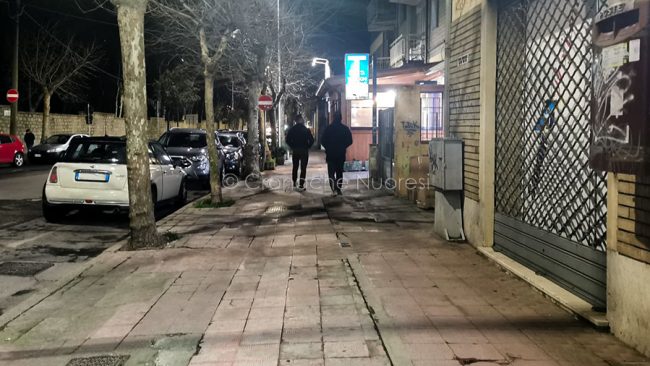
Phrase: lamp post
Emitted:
{"points": [[280, 121], [323, 61]]}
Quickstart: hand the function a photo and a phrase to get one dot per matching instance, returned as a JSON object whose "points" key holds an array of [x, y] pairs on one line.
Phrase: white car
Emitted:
{"points": [[93, 174]]}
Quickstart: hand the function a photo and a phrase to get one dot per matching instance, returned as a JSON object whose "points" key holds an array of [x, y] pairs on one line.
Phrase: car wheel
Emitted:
{"points": [[51, 213], [19, 160], [182, 195]]}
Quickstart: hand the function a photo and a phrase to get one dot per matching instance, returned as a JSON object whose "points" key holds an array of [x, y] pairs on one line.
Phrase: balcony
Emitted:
{"points": [[382, 16], [407, 49], [382, 63]]}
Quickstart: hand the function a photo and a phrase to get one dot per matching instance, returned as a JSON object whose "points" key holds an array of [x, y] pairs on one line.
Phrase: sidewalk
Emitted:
{"points": [[286, 278]]}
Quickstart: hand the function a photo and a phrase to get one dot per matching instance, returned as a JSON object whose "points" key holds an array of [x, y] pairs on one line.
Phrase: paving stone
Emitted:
{"points": [[346, 349], [259, 352], [422, 351], [313, 350]]}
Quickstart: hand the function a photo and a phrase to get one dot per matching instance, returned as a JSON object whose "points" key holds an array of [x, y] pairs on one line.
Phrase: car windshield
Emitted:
{"points": [[229, 140], [100, 152], [193, 140], [57, 139]]}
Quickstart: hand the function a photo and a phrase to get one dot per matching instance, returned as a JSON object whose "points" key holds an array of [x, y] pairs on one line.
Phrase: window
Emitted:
{"points": [[229, 140], [161, 155], [5, 139], [57, 139], [361, 113], [194, 140], [97, 152], [432, 118]]}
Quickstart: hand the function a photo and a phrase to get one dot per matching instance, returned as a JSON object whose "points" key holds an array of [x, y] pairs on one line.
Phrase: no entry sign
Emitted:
{"points": [[265, 103], [12, 96]]}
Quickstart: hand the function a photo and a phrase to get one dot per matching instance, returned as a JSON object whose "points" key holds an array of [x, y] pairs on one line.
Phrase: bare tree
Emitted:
{"points": [[58, 66], [130, 19], [204, 28], [254, 60]]}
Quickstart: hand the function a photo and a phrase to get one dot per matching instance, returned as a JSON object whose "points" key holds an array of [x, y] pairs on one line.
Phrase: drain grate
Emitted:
{"points": [[23, 269], [276, 208], [99, 361]]}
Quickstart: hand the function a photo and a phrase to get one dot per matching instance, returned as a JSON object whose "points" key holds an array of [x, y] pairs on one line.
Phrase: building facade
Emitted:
{"points": [[521, 80]]}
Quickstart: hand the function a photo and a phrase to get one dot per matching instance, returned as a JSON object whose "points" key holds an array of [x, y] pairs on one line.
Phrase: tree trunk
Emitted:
{"points": [[215, 178], [47, 97], [130, 18], [252, 148]]}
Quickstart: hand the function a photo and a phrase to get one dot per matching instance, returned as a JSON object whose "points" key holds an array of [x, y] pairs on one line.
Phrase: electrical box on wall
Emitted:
{"points": [[446, 176], [446, 159]]}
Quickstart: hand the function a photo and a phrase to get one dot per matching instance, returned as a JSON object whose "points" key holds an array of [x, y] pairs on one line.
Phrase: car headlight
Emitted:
{"points": [[55, 150], [198, 158]]}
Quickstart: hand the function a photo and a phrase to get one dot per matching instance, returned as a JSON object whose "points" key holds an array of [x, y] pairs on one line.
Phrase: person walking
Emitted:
{"points": [[300, 140], [336, 140], [29, 139]]}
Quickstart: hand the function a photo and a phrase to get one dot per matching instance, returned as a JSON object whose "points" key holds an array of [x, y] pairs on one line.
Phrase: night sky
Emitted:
{"points": [[345, 31]]}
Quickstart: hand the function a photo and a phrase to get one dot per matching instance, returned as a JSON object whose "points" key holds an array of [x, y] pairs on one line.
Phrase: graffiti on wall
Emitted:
{"points": [[411, 127], [619, 142]]}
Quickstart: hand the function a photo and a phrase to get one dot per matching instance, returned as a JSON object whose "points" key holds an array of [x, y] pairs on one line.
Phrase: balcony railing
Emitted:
{"points": [[382, 63], [407, 49]]}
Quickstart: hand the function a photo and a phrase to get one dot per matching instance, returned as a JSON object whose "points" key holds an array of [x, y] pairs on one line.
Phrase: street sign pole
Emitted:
{"points": [[374, 100]]}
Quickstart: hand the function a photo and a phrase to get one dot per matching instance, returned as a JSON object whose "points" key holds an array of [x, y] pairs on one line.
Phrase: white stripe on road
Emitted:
{"points": [[18, 243]]}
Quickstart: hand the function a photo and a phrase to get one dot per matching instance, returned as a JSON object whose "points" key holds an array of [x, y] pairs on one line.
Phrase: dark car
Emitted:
{"points": [[191, 144], [52, 149], [231, 145], [12, 150]]}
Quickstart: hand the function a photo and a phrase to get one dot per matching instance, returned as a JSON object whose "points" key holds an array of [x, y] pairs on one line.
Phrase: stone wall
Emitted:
{"points": [[103, 124]]}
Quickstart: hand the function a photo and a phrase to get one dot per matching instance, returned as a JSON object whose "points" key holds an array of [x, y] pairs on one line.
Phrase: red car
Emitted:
{"points": [[12, 150]]}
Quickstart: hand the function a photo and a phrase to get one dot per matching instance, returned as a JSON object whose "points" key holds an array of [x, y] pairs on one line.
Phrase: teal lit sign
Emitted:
{"points": [[357, 75]]}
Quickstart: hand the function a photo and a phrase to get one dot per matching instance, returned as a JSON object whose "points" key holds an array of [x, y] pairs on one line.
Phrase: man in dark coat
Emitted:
{"points": [[29, 139], [336, 140], [300, 140]]}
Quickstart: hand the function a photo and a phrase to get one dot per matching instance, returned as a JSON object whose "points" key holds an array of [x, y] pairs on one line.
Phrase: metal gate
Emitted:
{"points": [[550, 206], [386, 142]]}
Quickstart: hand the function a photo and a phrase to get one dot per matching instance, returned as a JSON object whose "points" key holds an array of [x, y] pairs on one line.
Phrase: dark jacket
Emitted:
{"points": [[299, 137], [29, 139], [336, 139]]}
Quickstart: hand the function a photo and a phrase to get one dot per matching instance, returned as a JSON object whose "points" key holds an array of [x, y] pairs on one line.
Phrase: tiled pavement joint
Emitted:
{"points": [[390, 340]]}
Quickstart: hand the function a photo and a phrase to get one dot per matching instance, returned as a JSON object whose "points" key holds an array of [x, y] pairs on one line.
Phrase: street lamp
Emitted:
{"points": [[323, 61]]}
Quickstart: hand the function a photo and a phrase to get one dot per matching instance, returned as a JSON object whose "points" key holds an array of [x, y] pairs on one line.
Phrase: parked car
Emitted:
{"points": [[12, 150], [93, 174], [191, 144], [52, 149], [231, 144]]}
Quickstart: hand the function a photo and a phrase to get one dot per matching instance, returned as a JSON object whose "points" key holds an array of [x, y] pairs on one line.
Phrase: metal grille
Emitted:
{"points": [[543, 177], [107, 360]]}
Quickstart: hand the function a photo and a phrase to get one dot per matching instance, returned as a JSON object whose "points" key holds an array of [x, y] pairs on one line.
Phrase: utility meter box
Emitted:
{"points": [[621, 95], [446, 159]]}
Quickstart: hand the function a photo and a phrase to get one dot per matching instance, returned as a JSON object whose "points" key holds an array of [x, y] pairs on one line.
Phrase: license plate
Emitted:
{"points": [[37, 155], [92, 177]]}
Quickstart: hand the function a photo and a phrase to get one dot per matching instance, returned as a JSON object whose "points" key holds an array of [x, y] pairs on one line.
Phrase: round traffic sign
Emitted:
{"points": [[12, 96], [265, 103]]}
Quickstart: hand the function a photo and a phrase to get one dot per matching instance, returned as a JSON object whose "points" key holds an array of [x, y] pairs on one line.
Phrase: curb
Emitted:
{"points": [[557, 294]]}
